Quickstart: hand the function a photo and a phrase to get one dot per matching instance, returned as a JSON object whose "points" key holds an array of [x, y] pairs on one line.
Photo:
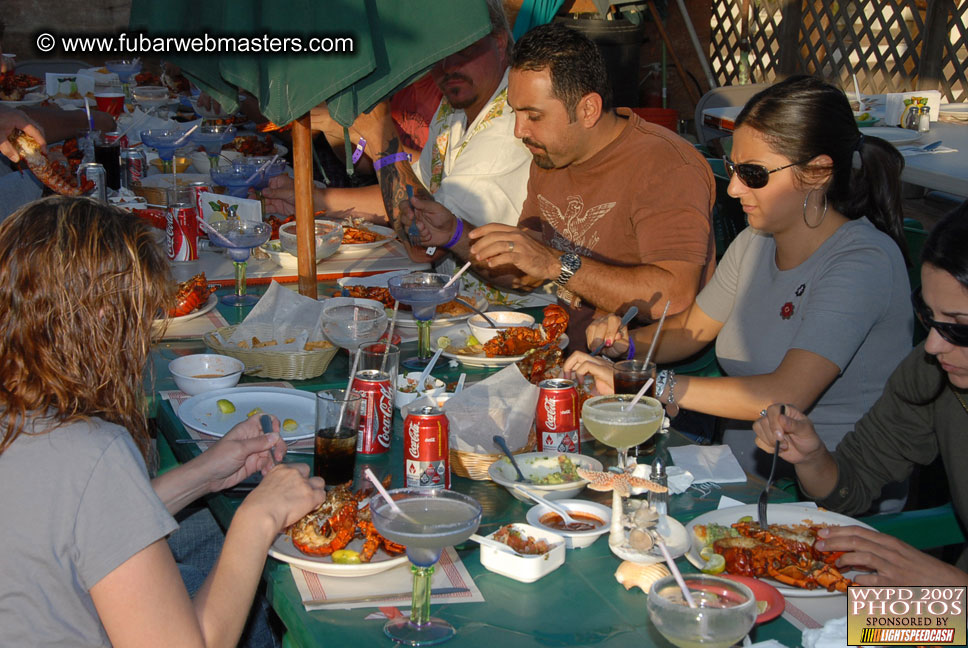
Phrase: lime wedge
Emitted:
{"points": [[346, 557], [257, 410], [289, 425], [225, 406], [443, 342], [472, 341], [716, 564]]}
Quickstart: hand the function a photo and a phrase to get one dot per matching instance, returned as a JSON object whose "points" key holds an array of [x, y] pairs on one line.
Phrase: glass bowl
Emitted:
{"points": [[349, 322], [329, 236], [724, 614]]}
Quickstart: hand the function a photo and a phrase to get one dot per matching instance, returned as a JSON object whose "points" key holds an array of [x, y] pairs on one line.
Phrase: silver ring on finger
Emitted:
{"points": [[762, 413], [510, 246]]}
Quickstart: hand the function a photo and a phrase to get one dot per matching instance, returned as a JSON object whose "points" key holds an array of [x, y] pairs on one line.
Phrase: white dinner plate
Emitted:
{"points": [[778, 514], [30, 99], [204, 308], [458, 335], [892, 134], [201, 412], [283, 549], [349, 249]]}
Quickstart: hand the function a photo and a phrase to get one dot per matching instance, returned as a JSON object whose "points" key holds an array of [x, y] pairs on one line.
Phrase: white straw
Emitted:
{"points": [[857, 91], [264, 165], [181, 139], [389, 343], [348, 393], [383, 492], [675, 573], [648, 383], [456, 276], [460, 383], [428, 369], [655, 338], [87, 107]]}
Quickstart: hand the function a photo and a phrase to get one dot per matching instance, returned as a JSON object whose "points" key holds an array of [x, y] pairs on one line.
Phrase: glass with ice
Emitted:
{"points": [[607, 419], [238, 237], [428, 521], [724, 613], [423, 292]]}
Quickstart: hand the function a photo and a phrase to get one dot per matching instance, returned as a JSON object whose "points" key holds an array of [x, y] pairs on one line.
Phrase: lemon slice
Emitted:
{"points": [[762, 606], [289, 425], [225, 406], [715, 564], [472, 341], [443, 342], [257, 410], [346, 557]]}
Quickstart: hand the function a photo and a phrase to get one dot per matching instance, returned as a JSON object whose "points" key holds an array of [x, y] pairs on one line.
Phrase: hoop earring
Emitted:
{"points": [[806, 199]]}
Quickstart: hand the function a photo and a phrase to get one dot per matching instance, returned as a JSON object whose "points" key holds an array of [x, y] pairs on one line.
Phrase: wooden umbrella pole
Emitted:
{"points": [[302, 163], [686, 81]]}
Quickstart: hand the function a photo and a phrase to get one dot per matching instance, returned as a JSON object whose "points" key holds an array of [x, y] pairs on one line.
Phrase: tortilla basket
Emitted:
{"points": [[474, 465], [288, 365]]}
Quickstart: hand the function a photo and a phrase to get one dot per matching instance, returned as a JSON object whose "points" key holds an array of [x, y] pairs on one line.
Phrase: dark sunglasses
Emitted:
{"points": [[956, 334], [754, 176]]}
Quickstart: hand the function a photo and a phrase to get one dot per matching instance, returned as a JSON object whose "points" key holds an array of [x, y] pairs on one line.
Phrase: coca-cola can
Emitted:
{"points": [[181, 226], [116, 136], [95, 174], [134, 167], [557, 418], [426, 455], [197, 189], [376, 426]]}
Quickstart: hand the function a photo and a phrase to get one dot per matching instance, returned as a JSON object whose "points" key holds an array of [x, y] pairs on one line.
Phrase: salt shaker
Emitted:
{"points": [[659, 501], [924, 119]]}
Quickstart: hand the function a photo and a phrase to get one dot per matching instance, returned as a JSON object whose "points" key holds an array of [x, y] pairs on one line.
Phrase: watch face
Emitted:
{"points": [[571, 261]]}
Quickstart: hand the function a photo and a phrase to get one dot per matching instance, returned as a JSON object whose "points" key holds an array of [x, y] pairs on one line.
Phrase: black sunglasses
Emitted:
{"points": [[754, 176], [956, 334]]}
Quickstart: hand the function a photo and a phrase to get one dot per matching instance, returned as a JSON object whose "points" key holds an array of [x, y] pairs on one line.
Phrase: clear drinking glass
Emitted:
{"points": [[724, 613], [428, 521], [338, 420]]}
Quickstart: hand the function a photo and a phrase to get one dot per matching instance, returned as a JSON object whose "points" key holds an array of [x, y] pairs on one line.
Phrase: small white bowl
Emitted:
{"points": [[403, 398], [279, 256], [536, 465], [329, 236], [504, 319], [205, 372], [526, 568], [574, 539]]}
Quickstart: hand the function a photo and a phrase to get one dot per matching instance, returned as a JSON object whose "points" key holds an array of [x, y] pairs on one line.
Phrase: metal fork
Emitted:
{"points": [[765, 495]]}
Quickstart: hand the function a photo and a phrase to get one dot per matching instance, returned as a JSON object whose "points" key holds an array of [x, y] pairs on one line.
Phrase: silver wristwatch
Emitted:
{"points": [[570, 263]]}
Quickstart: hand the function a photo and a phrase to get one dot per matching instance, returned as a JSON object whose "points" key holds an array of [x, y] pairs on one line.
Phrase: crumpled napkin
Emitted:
{"points": [[678, 478], [709, 463], [833, 634], [503, 403], [279, 315]]}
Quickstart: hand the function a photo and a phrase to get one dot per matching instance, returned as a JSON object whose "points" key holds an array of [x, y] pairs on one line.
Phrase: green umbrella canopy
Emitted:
{"points": [[393, 42]]}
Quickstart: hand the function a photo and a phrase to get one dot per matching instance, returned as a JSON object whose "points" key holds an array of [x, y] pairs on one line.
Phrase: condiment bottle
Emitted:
{"points": [[659, 501]]}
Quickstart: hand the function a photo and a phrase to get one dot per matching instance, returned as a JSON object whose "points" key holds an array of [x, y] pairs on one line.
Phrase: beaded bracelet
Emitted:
{"points": [[457, 234], [358, 153], [391, 159]]}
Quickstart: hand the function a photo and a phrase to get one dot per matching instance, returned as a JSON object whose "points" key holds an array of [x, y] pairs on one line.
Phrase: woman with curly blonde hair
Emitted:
{"points": [[85, 560]]}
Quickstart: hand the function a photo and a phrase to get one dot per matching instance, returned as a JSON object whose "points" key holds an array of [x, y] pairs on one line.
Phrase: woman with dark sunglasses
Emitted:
{"points": [[922, 413], [809, 305]]}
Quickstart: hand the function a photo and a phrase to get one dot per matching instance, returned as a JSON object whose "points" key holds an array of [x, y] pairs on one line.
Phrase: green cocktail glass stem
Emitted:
{"points": [[420, 604], [423, 339], [167, 166], [240, 278]]}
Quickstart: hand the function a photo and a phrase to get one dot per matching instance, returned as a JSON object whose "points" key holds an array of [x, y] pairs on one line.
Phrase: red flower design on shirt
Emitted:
{"points": [[787, 311]]}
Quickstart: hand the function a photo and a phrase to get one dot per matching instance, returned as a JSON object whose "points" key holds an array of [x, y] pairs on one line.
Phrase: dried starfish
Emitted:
{"points": [[622, 483]]}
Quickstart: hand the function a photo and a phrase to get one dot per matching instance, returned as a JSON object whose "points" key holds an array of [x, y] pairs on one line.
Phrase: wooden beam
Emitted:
{"points": [[686, 80], [932, 45], [788, 40], [302, 164]]}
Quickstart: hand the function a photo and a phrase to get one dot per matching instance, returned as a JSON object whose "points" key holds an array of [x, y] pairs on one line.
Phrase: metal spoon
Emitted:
{"points": [[500, 546], [499, 440], [557, 508], [491, 323], [629, 314]]}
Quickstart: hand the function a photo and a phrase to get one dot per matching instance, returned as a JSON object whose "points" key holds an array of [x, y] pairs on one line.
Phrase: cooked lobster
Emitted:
{"points": [[517, 340], [190, 295], [52, 174]]}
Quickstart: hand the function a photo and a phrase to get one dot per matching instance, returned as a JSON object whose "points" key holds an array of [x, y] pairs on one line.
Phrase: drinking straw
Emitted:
{"points": [[181, 139], [857, 91], [459, 273], [90, 118], [214, 233], [675, 573], [383, 492], [655, 338], [429, 368], [386, 347], [460, 383], [263, 166], [640, 394], [347, 393]]}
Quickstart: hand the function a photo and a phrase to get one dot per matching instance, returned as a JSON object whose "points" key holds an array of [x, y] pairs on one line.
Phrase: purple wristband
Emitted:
{"points": [[631, 349], [457, 234], [358, 153], [391, 159]]}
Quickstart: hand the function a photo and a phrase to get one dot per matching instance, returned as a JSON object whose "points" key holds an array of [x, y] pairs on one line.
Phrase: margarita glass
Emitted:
{"points": [[606, 419], [349, 322], [151, 98], [725, 611], [165, 141], [125, 69], [212, 139], [430, 519], [238, 237], [423, 292], [236, 180], [268, 172]]}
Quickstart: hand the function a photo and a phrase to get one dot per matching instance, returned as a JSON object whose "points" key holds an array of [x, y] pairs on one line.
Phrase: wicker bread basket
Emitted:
{"points": [[474, 465], [288, 365]]}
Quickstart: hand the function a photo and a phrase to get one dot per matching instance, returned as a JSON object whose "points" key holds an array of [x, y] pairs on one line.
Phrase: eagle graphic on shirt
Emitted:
{"points": [[572, 227]]}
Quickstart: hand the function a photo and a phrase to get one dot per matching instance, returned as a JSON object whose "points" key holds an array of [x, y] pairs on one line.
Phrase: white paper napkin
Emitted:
{"points": [[833, 634], [708, 463]]}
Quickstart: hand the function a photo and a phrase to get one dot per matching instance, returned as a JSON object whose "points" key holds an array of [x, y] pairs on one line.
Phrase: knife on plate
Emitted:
{"points": [[379, 597]]}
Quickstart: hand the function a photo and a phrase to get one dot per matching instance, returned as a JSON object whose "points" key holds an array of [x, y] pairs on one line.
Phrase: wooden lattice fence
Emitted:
{"points": [[891, 45]]}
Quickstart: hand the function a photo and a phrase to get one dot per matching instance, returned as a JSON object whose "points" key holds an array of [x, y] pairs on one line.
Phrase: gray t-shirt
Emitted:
{"points": [[849, 303], [76, 503]]}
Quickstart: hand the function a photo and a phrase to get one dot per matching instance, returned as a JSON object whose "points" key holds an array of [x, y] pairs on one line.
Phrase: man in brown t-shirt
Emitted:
{"points": [[618, 210]]}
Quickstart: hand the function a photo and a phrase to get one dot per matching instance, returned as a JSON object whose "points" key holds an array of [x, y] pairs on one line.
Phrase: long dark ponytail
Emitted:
{"points": [[803, 117]]}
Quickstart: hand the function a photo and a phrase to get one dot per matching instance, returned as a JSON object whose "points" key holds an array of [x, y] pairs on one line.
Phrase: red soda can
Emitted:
{"points": [[426, 457], [116, 136], [557, 417], [134, 167], [197, 189], [376, 426]]}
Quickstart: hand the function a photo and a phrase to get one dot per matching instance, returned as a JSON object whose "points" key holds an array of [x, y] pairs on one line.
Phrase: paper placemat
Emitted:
{"points": [[709, 463], [448, 572], [195, 327]]}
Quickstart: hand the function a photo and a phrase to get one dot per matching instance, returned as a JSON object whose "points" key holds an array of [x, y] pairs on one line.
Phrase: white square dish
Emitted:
{"points": [[525, 568]]}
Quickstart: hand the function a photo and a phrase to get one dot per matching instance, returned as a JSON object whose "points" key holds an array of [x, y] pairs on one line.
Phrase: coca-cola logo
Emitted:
{"points": [[551, 414], [413, 437], [170, 235], [386, 420]]}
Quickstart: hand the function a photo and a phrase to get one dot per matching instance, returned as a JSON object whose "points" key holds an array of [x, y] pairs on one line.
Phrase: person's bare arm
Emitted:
{"points": [[800, 445], [683, 334]]}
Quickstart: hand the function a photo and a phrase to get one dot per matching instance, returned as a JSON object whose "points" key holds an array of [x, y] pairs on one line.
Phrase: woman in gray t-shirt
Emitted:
{"points": [[809, 305]]}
